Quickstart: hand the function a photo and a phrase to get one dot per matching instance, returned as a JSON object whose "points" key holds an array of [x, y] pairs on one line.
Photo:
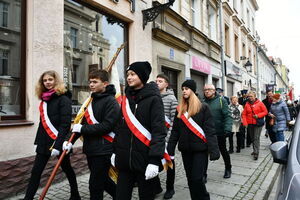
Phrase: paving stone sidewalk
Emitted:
{"points": [[251, 179]]}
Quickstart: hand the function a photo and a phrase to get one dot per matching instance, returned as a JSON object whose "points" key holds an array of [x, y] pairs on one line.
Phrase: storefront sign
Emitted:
{"points": [[200, 65], [232, 71]]}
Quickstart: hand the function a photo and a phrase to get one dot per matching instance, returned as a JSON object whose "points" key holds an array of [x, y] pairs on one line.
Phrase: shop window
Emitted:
{"points": [[12, 60], [91, 39], [3, 14]]}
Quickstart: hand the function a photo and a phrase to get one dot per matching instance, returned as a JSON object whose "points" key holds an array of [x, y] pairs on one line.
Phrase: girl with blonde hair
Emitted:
{"points": [[55, 121], [194, 131]]}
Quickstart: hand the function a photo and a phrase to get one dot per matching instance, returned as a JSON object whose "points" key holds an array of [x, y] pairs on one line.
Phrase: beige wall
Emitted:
{"points": [[45, 52]]}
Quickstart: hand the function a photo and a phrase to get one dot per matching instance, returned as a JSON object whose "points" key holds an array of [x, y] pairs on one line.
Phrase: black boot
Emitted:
{"points": [[169, 194], [238, 149], [227, 173]]}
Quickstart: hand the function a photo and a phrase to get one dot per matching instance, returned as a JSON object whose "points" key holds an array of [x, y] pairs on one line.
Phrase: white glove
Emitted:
{"points": [[76, 128], [151, 171], [112, 159], [55, 152], [67, 146], [34, 148]]}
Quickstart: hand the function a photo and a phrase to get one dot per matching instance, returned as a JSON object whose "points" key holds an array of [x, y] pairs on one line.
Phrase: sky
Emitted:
{"points": [[278, 25]]}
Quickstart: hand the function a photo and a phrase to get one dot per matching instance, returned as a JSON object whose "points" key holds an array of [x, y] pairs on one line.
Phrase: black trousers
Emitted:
{"points": [[195, 166], [223, 151], [38, 168], [242, 133], [272, 134], [126, 180], [99, 179], [238, 140], [170, 177]]}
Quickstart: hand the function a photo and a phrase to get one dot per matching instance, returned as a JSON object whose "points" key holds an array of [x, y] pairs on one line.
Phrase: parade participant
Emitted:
{"points": [[194, 131], [252, 117], [101, 116], [280, 113], [242, 101], [170, 105], [55, 121], [140, 135], [223, 122], [236, 114], [269, 127]]}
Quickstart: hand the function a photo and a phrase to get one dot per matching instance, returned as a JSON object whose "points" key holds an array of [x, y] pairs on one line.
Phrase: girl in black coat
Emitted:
{"points": [[193, 129], [55, 121]]}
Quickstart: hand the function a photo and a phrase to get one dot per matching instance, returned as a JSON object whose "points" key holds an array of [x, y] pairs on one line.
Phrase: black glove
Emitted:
{"points": [[215, 155]]}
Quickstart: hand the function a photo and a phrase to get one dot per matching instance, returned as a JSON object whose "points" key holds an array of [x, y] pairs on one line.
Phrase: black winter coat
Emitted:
{"points": [[188, 141], [147, 106], [60, 114], [268, 118], [106, 110]]}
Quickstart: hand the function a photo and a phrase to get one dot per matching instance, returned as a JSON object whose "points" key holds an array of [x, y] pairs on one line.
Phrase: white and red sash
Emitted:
{"points": [[90, 118], [193, 126], [167, 122], [49, 128], [139, 130]]}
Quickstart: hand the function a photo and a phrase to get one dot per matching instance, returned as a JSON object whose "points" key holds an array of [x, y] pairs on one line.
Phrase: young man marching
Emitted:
{"points": [[140, 136], [170, 104], [101, 116]]}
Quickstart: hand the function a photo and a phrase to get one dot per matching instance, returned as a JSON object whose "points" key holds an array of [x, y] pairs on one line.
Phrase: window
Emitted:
{"points": [[3, 62], [91, 39], [248, 19], [195, 14], [236, 48], [12, 61], [235, 5], [253, 26], [73, 37], [227, 41], [244, 50], [212, 22], [242, 9], [3, 14]]}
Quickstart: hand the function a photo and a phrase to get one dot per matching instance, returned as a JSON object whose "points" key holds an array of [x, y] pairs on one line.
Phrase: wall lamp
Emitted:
{"points": [[248, 64]]}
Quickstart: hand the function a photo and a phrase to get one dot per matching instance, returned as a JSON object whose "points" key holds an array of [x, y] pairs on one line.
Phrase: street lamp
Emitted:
{"points": [[248, 64]]}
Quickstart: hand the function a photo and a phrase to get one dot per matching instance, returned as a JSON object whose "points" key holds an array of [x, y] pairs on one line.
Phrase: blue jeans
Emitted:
{"points": [[279, 136]]}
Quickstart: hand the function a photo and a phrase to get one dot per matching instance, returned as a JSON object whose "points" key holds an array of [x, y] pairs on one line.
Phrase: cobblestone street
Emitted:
{"points": [[250, 179]]}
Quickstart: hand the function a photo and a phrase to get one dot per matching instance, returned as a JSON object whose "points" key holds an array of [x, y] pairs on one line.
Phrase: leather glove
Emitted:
{"points": [[67, 146], [151, 171], [214, 155], [55, 152], [77, 128], [112, 159]]}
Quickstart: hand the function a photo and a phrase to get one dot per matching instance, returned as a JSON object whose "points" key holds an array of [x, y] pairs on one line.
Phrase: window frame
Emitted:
{"points": [[23, 35]]}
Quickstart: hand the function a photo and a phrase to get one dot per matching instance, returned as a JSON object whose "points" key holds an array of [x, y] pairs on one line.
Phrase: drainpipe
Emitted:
{"points": [[222, 46], [257, 74]]}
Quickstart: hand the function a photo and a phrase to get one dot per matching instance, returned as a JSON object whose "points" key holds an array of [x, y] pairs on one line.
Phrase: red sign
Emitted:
{"points": [[200, 65]]}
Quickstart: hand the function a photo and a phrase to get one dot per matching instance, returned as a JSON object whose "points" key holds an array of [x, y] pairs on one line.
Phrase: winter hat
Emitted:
{"points": [[142, 69], [276, 96], [190, 84]]}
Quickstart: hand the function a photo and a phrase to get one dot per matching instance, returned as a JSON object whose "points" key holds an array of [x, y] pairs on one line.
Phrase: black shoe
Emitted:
{"points": [[75, 197], [227, 173], [169, 194], [158, 191], [255, 156], [230, 151], [238, 150]]}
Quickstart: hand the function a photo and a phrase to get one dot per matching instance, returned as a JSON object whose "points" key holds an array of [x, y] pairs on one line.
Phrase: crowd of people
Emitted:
{"points": [[139, 135]]}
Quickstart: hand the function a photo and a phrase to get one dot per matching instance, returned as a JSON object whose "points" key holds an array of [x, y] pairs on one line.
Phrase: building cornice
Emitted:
{"points": [[236, 19], [244, 29], [227, 8], [255, 5]]}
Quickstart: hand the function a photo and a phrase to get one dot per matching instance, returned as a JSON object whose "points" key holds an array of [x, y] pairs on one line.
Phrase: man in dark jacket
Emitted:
{"points": [[223, 122], [242, 101], [140, 136], [101, 116], [268, 102]]}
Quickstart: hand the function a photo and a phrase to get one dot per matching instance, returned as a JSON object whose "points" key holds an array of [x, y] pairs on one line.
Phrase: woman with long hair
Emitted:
{"points": [[55, 121], [194, 131]]}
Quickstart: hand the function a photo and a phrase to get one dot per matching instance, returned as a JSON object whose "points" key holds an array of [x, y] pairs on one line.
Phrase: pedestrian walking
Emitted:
{"points": [[140, 135], [279, 111], [236, 114], [269, 125], [55, 121], [170, 104], [223, 122], [101, 116], [245, 136], [194, 131], [253, 119]]}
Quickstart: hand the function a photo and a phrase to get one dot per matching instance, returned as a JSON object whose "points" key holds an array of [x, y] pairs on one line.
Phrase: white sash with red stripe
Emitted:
{"points": [[49, 128], [167, 122], [138, 129], [90, 118], [193, 126]]}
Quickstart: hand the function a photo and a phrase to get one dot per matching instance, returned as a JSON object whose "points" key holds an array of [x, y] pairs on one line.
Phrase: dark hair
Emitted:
{"points": [[99, 74], [164, 77]]}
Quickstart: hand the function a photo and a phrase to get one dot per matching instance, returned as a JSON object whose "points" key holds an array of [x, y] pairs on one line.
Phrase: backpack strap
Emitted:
{"points": [[221, 103]]}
